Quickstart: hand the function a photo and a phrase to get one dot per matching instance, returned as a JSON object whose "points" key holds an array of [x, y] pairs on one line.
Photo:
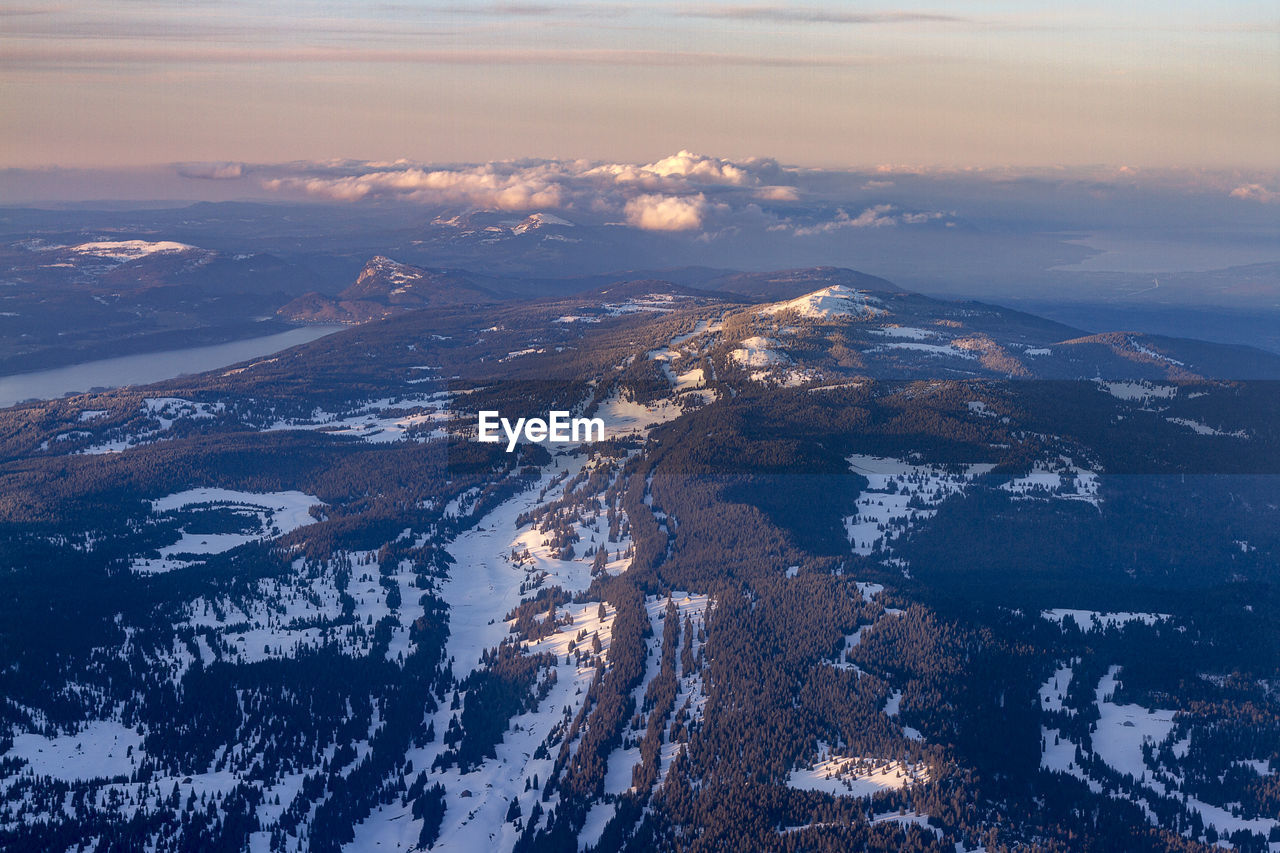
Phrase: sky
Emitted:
{"points": [[128, 83]]}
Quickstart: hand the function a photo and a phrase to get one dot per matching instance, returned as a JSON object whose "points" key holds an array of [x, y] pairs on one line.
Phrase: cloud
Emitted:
{"points": [[55, 55], [680, 171], [666, 213], [1255, 192], [211, 171], [608, 189], [919, 218], [776, 193], [493, 185], [686, 164], [876, 216], [682, 192], [505, 9]]}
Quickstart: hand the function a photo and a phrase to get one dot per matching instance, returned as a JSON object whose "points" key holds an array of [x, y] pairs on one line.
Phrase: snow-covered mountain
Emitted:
{"points": [[383, 288], [840, 554]]}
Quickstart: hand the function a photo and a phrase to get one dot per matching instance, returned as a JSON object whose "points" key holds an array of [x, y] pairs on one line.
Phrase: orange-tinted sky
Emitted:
{"points": [[127, 82]]}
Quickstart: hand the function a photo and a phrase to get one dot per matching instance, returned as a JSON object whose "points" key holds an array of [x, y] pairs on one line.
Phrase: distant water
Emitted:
{"points": [[148, 367], [1127, 255]]}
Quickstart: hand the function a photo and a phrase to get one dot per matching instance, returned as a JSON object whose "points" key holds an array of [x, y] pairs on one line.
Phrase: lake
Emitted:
{"points": [[150, 367]]}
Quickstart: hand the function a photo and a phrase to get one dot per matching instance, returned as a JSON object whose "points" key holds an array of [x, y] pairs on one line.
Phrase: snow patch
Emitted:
{"points": [[758, 351], [130, 250], [1140, 390], [100, 750], [1094, 620], [857, 776]]}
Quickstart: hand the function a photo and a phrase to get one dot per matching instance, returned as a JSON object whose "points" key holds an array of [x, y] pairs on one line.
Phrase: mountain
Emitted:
{"points": [[787, 284], [383, 288], [490, 227], [852, 568]]}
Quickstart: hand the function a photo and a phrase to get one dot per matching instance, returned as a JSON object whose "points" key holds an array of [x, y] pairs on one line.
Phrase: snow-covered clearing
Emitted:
{"points": [[946, 350], [623, 417], [856, 776], [130, 250], [660, 303], [980, 409], [1061, 479], [757, 351], [1122, 729], [166, 411], [1204, 429], [280, 617], [380, 421], [703, 327], [899, 493], [907, 819], [1147, 351], [1053, 690], [1095, 620], [1121, 732], [908, 332], [1140, 390], [483, 586], [667, 356], [101, 749], [104, 749], [273, 513]]}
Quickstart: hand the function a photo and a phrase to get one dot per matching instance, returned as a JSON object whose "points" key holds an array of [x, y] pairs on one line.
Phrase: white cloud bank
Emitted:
{"points": [[1255, 192], [488, 185], [680, 193], [666, 212]]}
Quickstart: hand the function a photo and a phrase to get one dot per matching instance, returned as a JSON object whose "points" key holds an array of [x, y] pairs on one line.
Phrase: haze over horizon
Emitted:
{"points": [[111, 84]]}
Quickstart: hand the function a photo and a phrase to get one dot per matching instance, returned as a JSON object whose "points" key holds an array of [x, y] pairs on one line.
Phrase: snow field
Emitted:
{"points": [[101, 749], [276, 514], [129, 250], [1139, 390], [165, 410], [1061, 479], [882, 515], [380, 421], [908, 332], [757, 351], [1094, 620], [1121, 732], [946, 350], [1052, 691], [484, 584], [1204, 429]]}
